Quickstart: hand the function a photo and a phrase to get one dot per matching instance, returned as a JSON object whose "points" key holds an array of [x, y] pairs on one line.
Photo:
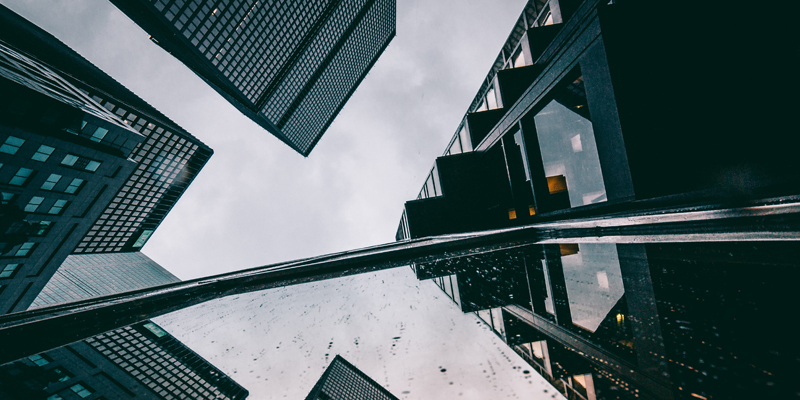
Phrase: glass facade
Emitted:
{"points": [[291, 65], [343, 381], [91, 275]]}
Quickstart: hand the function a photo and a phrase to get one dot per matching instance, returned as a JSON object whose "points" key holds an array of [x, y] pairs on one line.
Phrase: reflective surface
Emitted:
{"points": [[518, 319]]}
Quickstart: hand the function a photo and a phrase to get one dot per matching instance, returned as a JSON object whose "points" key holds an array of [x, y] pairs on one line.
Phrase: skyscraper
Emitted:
{"points": [[343, 381], [138, 361], [152, 161], [290, 66], [567, 122], [82, 276]]}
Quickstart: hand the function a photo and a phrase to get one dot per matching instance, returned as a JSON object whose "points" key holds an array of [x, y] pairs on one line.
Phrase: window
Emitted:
{"points": [[568, 149], [8, 270], [34, 204], [69, 160], [7, 197], [51, 182], [38, 360], [11, 145], [81, 390], [43, 153], [99, 134], [57, 207], [40, 228], [21, 177], [92, 166], [55, 397], [74, 186], [155, 329], [143, 238], [25, 249]]}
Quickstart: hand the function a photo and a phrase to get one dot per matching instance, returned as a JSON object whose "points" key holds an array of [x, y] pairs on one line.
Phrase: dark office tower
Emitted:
{"points": [[343, 381], [139, 361], [168, 159], [90, 275], [159, 163], [288, 65], [62, 158], [590, 108]]}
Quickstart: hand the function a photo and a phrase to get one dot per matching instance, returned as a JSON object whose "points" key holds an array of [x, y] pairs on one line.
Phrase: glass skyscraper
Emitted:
{"points": [[288, 65], [89, 275]]}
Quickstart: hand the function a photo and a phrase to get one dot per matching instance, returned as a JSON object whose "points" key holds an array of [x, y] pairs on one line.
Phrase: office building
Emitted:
{"points": [[343, 381], [82, 276], [139, 361], [150, 161], [290, 66], [591, 107]]}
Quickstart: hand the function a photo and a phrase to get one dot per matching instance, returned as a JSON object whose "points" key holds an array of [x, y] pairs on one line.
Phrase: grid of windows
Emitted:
{"points": [[160, 370], [343, 381], [89, 275], [323, 100], [311, 59], [163, 158]]}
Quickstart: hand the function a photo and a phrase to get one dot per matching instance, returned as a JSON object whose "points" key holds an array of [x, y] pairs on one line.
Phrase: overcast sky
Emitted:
{"points": [[257, 201]]}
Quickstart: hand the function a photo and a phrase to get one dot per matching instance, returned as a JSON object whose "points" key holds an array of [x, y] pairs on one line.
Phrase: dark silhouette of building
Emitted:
{"points": [[595, 107], [637, 321], [128, 164], [343, 381], [89, 275], [290, 66], [140, 361]]}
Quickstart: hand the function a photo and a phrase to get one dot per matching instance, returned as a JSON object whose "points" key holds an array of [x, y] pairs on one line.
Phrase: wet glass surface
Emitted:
{"points": [[576, 319]]}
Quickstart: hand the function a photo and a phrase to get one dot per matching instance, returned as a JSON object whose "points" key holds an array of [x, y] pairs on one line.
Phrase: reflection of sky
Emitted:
{"points": [[594, 283], [399, 331]]}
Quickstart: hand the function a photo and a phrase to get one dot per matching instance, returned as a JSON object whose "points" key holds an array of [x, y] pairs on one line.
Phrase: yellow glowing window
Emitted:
{"points": [[531, 210], [512, 214], [557, 184]]}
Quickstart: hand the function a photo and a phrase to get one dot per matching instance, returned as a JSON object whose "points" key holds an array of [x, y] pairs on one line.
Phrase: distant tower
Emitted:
{"points": [[343, 381], [289, 65]]}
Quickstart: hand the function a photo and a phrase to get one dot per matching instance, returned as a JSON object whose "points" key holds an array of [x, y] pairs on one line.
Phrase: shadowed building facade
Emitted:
{"points": [[343, 381], [128, 164], [140, 361], [89, 275], [290, 66]]}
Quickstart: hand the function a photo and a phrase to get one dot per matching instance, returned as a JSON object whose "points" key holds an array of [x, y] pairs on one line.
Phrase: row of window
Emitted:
{"points": [[13, 144], [22, 250], [36, 201]]}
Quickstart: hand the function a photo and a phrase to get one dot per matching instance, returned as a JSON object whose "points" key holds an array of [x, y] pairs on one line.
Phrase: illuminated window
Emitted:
{"points": [[38, 360], [8, 270], [43, 153], [81, 390], [57, 207], [7, 197], [21, 177], [92, 165], [99, 134], [74, 186], [69, 160], [25, 249], [51, 182], [143, 238], [34, 204], [512, 213], [155, 329], [11, 145]]}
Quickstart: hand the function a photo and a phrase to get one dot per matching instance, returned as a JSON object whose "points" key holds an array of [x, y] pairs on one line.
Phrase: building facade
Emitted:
{"points": [[90, 275], [343, 381], [637, 321], [290, 66], [139, 361], [155, 165], [591, 108]]}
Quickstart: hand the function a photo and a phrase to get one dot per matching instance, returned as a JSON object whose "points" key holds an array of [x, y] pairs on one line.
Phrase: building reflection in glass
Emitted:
{"points": [[607, 321]]}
